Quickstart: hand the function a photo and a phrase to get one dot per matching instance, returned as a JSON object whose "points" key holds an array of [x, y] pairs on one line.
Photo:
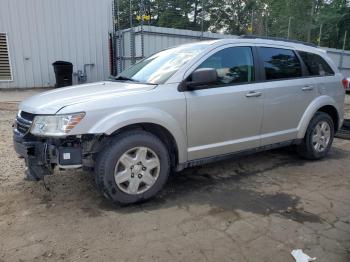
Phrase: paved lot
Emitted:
{"points": [[254, 209]]}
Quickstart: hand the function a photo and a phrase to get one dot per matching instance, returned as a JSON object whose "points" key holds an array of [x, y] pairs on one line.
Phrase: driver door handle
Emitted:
{"points": [[307, 88], [253, 94]]}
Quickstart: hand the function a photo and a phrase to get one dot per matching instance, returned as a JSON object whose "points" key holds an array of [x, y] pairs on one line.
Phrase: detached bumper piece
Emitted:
{"points": [[70, 157], [35, 155]]}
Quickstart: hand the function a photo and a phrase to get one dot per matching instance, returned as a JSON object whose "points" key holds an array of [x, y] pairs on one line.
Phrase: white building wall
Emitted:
{"points": [[41, 32]]}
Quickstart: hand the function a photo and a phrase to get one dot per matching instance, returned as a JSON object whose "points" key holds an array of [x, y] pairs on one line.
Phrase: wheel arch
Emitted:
{"points": [[159, 131], [324, 104], [333, 113], [153, 120]]}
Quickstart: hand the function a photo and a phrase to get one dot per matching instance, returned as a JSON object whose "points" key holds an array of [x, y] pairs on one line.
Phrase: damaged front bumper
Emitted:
{"points": [[43, 154]]}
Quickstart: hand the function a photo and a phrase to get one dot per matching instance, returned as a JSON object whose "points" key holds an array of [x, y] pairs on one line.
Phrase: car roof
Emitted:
{"points": [[269, 42], [212, 44]]}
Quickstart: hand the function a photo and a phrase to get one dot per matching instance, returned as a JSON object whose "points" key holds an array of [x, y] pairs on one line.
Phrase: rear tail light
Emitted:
{"points": [[345, 83]]}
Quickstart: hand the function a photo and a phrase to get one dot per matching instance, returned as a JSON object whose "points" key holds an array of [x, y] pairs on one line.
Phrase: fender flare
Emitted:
{"points": [[314, 106], [113, 122]]}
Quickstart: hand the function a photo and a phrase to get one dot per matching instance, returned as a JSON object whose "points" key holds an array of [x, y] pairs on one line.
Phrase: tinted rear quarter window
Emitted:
{"points": [[315, 64], [280, 63]]}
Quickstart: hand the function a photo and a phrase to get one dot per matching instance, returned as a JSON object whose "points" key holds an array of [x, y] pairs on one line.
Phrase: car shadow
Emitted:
{"points": [[225, 186]]}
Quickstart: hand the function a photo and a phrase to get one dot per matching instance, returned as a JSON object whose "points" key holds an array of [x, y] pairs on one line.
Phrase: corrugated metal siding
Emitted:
{"points": [[41, 32], [159, 38], [343, 64]]}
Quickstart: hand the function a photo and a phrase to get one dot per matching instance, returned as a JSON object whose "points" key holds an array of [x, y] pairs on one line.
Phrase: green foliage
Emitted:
{"points": [[266, 17]]}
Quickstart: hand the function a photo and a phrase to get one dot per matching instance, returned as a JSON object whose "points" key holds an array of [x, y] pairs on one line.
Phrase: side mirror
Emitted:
{"points": [[200, 77]]}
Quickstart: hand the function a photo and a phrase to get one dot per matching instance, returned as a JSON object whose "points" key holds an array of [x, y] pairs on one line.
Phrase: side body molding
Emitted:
{"points": [[311, 110], [135, 115]]}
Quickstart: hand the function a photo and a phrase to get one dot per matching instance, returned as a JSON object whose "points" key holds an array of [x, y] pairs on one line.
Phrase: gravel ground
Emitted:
{"points": [[258, 208]]}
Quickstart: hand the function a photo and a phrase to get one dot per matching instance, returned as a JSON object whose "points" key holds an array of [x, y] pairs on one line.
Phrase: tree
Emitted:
{"points": [[267, 17]]}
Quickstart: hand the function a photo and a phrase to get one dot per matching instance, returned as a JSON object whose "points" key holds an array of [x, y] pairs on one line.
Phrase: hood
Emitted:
{"points": [[51, 102]]}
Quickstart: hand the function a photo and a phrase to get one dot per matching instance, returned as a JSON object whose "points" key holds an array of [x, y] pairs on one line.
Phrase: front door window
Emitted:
{"points": [[234, 65]]}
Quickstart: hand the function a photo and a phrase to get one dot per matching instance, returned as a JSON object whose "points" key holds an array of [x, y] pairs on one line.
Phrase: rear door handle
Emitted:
{"points": [[253, 94], [307, 88]]}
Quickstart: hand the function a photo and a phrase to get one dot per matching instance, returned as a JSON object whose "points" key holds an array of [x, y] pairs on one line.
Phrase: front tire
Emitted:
{"points": [[133, 168], [318, 137]]}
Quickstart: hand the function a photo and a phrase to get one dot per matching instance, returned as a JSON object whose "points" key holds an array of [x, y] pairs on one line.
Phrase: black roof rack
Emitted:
{"points": [[277, 39]]}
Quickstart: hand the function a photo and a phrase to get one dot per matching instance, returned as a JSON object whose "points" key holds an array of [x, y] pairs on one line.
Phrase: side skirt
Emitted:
{"points": [[235, 155]]}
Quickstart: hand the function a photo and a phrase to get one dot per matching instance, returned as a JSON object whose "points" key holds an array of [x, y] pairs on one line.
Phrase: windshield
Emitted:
{"points": [[159, 67]]}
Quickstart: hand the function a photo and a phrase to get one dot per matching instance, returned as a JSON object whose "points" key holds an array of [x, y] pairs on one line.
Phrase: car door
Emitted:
{"points": [[287, 94], [225, 117]]}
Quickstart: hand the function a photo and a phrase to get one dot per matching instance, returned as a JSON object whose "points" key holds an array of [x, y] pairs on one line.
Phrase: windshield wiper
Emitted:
{"points": [[125, 78]]}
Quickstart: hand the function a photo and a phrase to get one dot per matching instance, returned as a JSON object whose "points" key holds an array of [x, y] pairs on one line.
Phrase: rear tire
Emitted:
{"points": [[133, 167], [318, 137]]}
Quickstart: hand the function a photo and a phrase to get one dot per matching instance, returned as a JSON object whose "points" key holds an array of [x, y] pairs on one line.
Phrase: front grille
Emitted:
{"points": [[27, 116], [24, 122]]}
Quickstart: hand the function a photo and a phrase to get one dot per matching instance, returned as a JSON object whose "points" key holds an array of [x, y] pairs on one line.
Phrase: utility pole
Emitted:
{"points": [[202, 20], [289, 20], [142, 38], [252, 21], [342, 54], [344, 42], [119, 45], [130, 13], [132, 36], [320, 35], [310, 24], [250, 27]]}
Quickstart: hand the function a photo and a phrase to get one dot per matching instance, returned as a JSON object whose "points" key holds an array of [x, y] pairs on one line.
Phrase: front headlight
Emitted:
{"points": [[55, 125]]}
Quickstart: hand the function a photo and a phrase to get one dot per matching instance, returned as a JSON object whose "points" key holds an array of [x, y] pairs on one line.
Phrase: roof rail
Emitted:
{"points": [[277, 39]]}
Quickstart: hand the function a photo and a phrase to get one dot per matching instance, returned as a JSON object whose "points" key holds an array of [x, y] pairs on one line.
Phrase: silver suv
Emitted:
{"points": [[181, 107]]}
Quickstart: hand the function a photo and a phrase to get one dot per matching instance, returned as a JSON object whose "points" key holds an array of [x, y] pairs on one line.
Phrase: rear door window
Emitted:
{"points": [[315, 64], [280, 63]]}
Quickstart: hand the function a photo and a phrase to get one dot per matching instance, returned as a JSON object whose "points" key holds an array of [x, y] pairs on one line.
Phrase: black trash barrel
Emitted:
{"points": [[63, 73]]}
